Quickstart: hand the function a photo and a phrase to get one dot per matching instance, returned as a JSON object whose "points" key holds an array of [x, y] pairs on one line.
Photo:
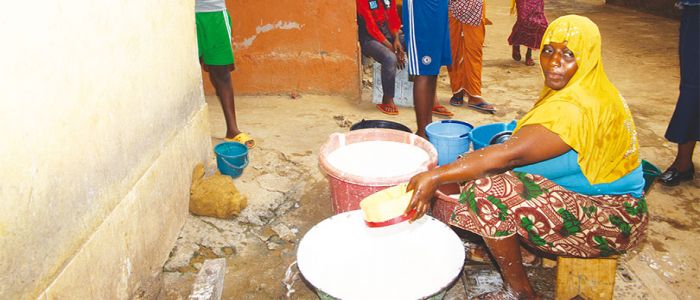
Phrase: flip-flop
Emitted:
{"points": [[441, 110], [482, 107], [242, 138], [388, 109], [454, 101]]}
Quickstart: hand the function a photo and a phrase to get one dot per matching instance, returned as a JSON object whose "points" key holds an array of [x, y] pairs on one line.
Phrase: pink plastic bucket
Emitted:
{"points": [[348, 190], [444, 205]]}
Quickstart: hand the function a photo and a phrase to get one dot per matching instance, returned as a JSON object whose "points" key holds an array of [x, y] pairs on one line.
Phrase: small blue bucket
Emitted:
{"points": [[450, 138], [481, 136], [231, 158]]}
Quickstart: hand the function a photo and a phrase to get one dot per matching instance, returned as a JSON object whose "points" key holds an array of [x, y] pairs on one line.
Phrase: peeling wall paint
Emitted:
{"points": [[265, 28], [303, 46], [304, 56]]}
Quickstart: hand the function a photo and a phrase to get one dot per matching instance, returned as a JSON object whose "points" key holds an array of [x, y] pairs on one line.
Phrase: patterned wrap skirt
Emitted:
{"points": [[549, 217]]}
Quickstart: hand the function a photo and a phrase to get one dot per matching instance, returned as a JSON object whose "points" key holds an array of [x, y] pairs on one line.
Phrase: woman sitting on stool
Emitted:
{"points": [[568, 182]]}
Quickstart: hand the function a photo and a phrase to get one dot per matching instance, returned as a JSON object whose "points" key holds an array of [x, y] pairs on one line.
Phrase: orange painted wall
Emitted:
{"points": [[285, 46]]}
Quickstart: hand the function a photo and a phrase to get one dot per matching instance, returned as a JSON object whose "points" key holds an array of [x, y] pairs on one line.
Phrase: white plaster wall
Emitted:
{"points": [[91, 93]]}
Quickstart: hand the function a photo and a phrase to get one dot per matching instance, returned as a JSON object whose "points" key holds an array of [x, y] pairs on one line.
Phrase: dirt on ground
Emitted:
{"points": [[288, 194]]}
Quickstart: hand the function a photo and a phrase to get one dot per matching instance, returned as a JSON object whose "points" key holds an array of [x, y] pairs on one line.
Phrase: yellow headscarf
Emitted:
{"points": [[588, 114]]}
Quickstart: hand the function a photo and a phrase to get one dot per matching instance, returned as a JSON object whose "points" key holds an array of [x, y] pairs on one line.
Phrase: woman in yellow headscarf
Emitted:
{"points": [[568, 182]]}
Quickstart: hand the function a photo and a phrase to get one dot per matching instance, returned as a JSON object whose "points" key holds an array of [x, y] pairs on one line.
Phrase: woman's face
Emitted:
{"points": [[558, 64]]}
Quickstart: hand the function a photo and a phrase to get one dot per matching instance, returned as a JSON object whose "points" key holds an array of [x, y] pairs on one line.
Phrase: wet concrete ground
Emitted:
{"points": [[288, 194]]}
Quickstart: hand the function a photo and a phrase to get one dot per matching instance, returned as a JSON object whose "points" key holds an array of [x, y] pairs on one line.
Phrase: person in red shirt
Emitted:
{"points": [[380, 38]]}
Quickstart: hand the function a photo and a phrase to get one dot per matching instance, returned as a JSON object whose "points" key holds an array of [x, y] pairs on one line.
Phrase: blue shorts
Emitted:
{"points": [[427, 36]]}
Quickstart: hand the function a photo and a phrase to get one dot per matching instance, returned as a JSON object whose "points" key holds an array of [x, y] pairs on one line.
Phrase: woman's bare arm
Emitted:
{"points": [[531, 144]]}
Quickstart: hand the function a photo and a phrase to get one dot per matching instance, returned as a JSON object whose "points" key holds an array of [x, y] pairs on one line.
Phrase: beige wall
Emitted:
{"points": [[101, 120], [307, 46]]}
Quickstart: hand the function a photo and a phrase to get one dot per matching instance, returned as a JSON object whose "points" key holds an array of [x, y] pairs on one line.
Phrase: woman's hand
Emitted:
{"points": [[424, 186], [400, 59]]}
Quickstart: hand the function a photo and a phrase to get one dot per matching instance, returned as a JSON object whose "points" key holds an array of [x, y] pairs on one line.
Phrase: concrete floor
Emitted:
{"points": [[288, 194]]}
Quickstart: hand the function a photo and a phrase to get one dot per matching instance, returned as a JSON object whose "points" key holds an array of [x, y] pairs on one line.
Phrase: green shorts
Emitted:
{"points": [[214, 38]]}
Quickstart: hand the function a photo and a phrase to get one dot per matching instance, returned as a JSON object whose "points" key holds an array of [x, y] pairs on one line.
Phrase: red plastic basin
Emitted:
{"points": [[348, 190]]}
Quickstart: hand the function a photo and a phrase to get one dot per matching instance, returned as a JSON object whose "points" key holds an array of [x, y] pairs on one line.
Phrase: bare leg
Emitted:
{"points": [[506, 252], [423, 97], [682, 168], [528, 58], [388, 105], [516, 52], [457, 98], [221, 79], [684, 157], [388, 100]]}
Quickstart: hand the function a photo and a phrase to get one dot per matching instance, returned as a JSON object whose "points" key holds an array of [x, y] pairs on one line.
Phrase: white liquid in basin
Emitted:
{"points": [[346, 259], [379, 159]]}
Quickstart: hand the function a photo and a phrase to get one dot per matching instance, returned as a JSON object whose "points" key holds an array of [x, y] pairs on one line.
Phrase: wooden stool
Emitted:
{"points": [[585, 278]]}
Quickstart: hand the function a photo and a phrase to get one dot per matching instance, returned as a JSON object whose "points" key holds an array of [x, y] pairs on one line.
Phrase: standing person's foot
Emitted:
{"points": [[242, 138], [673, 176], [516, 53], [457, 101], [441, 110], [479, 104], [389, 108], [528, 58]]}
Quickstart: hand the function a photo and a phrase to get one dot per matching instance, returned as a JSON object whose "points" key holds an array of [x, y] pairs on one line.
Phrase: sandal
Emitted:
{"points": [[389, 109], [242, 138], [441, 110], [454, 101], [483, 107]]}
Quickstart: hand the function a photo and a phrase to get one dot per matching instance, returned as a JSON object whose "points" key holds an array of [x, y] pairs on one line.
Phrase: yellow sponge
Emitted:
{"points": [[215, 196]]}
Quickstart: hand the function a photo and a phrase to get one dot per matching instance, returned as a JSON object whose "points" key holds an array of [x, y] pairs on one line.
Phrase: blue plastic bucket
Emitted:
{"points": [[231, 158], [450, 138], [481, 136]]}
